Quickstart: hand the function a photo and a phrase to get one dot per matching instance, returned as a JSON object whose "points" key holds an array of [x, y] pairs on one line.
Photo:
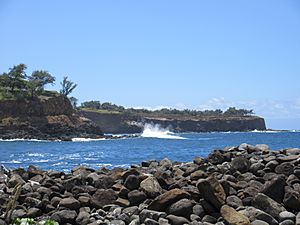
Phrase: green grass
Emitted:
{"points": [[103, 111], [21, 94]]}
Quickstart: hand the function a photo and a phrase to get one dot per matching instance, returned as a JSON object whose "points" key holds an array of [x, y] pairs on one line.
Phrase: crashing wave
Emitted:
{"points": [[156, 131]]}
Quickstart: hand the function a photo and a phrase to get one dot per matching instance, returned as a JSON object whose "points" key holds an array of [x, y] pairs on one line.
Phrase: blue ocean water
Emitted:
{"points": [[181, 147]]}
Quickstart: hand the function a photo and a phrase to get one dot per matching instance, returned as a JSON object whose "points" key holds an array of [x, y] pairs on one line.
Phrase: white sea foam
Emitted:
{"points": [[40, 161], [156, 131], [265, 131], [35, 154], [11, 161], [87, 139], [22, 139]]}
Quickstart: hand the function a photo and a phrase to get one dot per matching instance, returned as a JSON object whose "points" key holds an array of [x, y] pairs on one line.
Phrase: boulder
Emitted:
{"points": [[212, 191], [70, 203], [183, 207], [161, 202], [232, 217], [34, 212], [151, 214], [83, 218], [285, 215], [177, 220], [234, 201], [151, 187], [150, 222], [136, 197], [268, 205], [285, 168], [259, 222], [241, 164], [64, 216], [292, 199], [275, 188], [256, 214], [103, 197], [132, 182], [198, 174]]}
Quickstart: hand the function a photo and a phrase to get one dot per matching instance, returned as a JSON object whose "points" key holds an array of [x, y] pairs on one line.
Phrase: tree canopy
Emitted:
{"points": [[231, 111], [67, 86], [16, 83]]}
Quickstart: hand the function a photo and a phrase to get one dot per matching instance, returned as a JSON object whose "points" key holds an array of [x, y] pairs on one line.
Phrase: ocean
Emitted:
{"points": [[153, 143]]}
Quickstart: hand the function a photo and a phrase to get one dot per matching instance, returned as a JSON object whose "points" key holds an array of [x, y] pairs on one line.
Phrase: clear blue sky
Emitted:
{"points": [[184, 54]]}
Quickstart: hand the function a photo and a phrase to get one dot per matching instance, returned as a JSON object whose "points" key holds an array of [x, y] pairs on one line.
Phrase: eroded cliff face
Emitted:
{"points": [[53, 106], [48, 118], [122, 123]]}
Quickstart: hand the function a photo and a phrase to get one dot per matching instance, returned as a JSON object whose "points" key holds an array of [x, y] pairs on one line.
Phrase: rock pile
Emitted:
{"points": [[236, 186]]}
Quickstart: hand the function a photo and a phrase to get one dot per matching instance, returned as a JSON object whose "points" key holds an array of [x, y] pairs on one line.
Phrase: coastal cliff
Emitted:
{"points": [[47, 118], [126, 123]]}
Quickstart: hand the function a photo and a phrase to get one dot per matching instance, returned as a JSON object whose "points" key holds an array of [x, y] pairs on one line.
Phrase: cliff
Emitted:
{"points": [[44, 118], [126, 123]]}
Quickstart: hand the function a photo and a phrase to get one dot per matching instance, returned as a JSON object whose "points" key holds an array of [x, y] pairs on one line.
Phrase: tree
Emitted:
{"points": [[91, 104], [38, 80], [4, 80], [16, 77], [42, 77], [73, 101], [67, 86]]}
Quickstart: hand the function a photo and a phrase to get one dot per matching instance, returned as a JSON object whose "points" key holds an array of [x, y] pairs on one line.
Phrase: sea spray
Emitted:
{"points": [[156, 131]]}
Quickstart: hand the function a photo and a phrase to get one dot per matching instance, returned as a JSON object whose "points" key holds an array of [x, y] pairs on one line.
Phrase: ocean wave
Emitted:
{"points": [[156, 131], [12, 161], [40, 161]]}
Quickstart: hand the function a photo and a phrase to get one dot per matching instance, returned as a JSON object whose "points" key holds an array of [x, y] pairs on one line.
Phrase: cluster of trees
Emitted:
{"points": [[104, 106], [16, 81], [231, 111]]}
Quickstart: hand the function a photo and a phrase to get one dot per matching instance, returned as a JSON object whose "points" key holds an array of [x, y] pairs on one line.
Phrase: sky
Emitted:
{"points": [[180, 54]]}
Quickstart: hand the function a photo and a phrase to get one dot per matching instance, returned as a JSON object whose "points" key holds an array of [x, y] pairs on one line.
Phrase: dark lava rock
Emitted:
{"points": [[234, 201], [177, 220], [151, 214], [132, 182], [183, 207], [257, 214], [18, 213], [103, 197], [83, 218], [70, 203], [285, 168], [33, 171], [34, 212], [292, 199], [268, 205], [151, 187], [150, 222], [287, 222], [285, 215], [241, 164], [212, 191], [163, 201], [216, 157], [275, 188], [64, 216], [136, 197], [104, 182]]}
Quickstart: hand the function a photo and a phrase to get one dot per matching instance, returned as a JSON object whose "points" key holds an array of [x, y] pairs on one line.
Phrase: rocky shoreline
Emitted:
{"points": [[237, 186]]}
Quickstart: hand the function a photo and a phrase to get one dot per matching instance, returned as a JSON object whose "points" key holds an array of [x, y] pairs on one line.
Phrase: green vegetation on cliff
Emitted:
{"points": [[16, 84], [106, 107]]}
